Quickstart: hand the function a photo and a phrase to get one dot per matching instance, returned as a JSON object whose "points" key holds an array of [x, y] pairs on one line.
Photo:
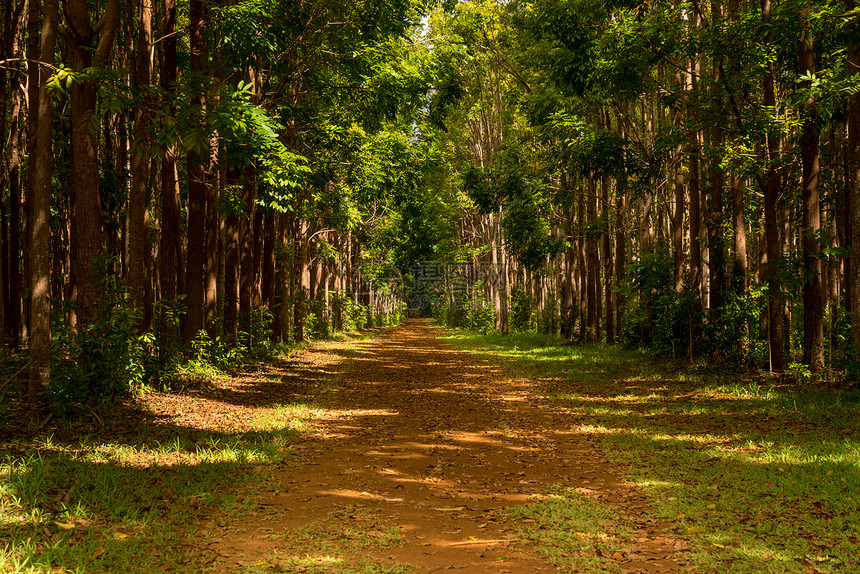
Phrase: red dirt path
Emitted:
{"points": [[435, 442]]}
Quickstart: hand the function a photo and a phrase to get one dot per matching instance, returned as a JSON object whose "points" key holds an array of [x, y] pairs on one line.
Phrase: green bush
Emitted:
{"points": [[659, 319], [733, 334], [258, 338], [549, 320], [480, 317], [101, 362], [521, 311]]}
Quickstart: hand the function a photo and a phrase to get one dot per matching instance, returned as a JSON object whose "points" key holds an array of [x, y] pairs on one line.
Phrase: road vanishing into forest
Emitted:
{"points": [[423, 451]]}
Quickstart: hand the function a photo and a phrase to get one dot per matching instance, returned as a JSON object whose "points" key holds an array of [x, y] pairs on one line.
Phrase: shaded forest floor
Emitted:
{"points": [[400, 454]]}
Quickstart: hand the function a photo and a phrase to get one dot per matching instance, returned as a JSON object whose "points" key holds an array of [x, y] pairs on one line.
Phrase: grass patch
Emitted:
{"points": [[348, 528], [572, 531], [333, 544], [761, 477], [323, 564], [128, 491]]}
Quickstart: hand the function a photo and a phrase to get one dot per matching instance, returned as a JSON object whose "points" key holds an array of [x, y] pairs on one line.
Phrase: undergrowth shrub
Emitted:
{"points": [[258, 339], [734, 334], [548, 319], [659, 319], [103, 361], [521, 310]]}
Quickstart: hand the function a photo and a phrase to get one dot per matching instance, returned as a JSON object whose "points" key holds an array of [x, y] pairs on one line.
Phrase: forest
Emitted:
{"points": [[229, 176], [395, 286]]}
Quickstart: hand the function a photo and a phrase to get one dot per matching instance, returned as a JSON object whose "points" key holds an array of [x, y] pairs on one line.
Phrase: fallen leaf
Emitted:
{"points": [[64, 525], [98, 552], [449, 508]]}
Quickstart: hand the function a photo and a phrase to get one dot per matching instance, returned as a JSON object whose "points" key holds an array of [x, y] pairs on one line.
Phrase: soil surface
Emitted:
{"points": [[420, 450]]}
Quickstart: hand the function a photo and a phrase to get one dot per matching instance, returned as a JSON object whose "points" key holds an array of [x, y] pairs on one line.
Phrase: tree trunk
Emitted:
{"points": [[138, 212], [197, 191], [267, 280], [231, 265], [677, 219], [170, 214], [87, 241], [771, 224], [740, 269], [15, 295], [40, 230], [215, 183], [581, 264], [813, 324], [246, 263], [620, 239], [854, 200], [607, 265]]}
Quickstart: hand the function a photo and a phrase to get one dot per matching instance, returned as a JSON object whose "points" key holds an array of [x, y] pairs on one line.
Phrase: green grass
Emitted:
{"points": [[113, 507], [572, 531], [348, 528], [82, 501], [336, 544], [324, 564], [759, 477]]}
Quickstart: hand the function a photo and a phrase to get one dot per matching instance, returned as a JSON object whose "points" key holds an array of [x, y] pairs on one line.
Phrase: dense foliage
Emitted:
{"points": [[215, 179]]}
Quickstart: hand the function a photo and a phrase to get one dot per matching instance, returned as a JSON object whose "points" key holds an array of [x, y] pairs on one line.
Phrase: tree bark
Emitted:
{"points": [[772, 224], [740, 269], [87, 240], [170, 213], [592, 261], [813, 324], [246, 263], [267, 279], [854, 200], [40, 230], [607, 265], [197, 190], [138, 212], [214, 186]]}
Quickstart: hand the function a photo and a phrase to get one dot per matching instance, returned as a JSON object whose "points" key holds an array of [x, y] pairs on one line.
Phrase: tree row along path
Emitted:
{"points": [[430, 446]]}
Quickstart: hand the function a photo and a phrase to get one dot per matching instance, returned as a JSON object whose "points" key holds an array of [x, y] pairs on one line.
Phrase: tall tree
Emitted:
{"points": [[89, 49], [138, 213], [193, 321], [813, 323], [40, 229], [771, 190]]}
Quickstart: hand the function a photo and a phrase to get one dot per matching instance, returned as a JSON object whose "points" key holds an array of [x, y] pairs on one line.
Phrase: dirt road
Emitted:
{"points": [[423, 450]]}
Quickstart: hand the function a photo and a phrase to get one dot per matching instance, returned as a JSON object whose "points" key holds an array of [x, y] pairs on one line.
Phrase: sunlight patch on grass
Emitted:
{"points": [[572, 531], [295, 417], [323, 564], [63, 506], [763, 478], [349, 527]]}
